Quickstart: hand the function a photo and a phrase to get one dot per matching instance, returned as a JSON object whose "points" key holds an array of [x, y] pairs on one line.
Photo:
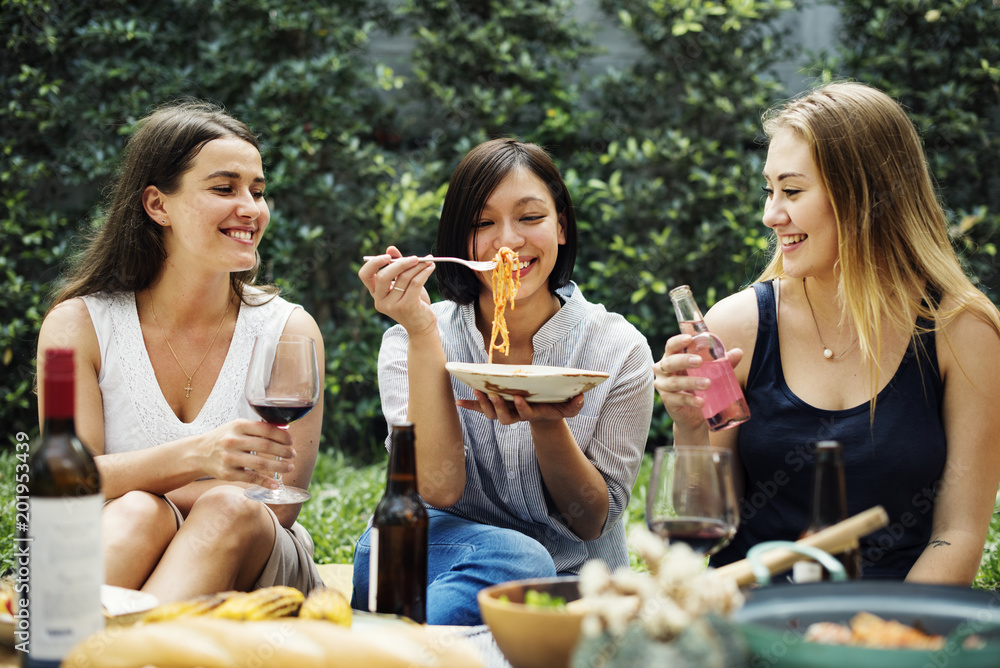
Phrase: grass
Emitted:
{"points": [[344, 497], [7, 512], [989, 568], [345, 494]]}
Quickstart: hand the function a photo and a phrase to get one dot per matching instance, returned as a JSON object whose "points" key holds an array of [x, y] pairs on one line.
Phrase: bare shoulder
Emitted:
{"points": [[969, 342], [734, 319], [68, 325], [301, 322]]}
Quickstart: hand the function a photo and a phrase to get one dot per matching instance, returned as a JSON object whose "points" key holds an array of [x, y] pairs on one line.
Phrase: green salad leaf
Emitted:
{"points": [[542, 599]]}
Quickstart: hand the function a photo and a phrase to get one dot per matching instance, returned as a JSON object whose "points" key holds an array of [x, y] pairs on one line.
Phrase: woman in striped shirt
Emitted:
{"points": [[514, 489]]}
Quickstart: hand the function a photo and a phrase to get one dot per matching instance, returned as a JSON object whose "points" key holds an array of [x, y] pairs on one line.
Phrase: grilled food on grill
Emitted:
{"points": [[262, 604], [328, 604], [868, 630], [195, 607], [267, 603]]}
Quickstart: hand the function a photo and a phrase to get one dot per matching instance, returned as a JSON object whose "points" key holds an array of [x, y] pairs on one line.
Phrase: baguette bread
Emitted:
{"points": [[280, 643]]}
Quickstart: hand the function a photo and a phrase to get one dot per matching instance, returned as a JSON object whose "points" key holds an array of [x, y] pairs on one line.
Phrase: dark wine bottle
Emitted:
{"points": [[724, 405], [397, 582], [829, 506], [62, 536]]}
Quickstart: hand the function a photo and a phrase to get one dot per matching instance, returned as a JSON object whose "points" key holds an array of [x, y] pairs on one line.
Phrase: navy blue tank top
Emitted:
{"points": [[895, 462]]}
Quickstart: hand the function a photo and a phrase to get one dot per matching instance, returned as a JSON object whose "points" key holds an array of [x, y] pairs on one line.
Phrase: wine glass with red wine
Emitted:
{"points": [[282, 386], [692, 498]]}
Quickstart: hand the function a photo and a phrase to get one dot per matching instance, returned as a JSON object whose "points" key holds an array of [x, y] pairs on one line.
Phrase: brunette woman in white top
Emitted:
{"points": [[162, 311]]}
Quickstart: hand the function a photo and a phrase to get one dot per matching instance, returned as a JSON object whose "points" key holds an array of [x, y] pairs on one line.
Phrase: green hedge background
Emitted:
{"points": [[663, 157]]}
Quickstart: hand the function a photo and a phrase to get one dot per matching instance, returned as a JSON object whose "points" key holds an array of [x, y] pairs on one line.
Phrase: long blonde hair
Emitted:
{"points": [[895, 258]]}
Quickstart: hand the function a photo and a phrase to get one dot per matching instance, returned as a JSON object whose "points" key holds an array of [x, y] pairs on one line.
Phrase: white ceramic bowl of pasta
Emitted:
{"points": [[537, 384]]}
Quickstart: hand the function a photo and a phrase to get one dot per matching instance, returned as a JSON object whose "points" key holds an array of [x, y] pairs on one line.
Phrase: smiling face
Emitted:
{"points": [[521, 215], [218, 214], [798, 208]]}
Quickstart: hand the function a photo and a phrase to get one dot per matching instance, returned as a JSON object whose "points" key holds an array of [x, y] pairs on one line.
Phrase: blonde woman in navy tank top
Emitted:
{"points": [[863, 329]]}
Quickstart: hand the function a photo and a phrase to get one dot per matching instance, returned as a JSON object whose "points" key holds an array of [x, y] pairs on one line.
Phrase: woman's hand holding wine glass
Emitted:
{"points": [[282, 386], [692, 498], [241, 447]]}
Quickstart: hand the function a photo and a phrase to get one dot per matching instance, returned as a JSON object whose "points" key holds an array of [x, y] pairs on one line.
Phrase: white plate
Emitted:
{"points": [[118, 601], [538, 384]]}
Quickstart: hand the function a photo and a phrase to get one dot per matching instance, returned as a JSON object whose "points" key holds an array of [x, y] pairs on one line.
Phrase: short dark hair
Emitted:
{"points": [[472, 183]]}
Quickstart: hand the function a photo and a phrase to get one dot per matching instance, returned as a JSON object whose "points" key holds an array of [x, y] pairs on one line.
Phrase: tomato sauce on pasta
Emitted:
{"points": [[506, 283]]}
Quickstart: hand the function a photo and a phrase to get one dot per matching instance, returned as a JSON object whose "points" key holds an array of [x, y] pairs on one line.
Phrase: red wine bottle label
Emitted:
{"points": [[373, 570], [725, 389], [66, 573]]}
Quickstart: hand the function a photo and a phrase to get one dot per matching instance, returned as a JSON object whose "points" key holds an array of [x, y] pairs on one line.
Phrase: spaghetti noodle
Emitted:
{"points": [[506, 283]]}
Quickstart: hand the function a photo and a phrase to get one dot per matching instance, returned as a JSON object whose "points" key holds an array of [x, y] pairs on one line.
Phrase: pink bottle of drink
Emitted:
{"points": [[724, 405]]}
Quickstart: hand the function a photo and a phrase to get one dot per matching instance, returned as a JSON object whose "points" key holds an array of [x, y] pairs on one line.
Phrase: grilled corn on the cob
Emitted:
{"points": [[267, 603], [328, 604], [195, 607]]}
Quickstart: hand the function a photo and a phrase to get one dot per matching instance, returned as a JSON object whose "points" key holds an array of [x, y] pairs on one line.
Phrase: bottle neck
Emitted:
{"points": [[402, 474], [59, 399], [55, 426], [693, 327], [829, 503], [687, 311]]}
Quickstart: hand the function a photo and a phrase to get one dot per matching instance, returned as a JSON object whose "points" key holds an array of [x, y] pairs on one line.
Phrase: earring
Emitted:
{"points": [[163, 221]]}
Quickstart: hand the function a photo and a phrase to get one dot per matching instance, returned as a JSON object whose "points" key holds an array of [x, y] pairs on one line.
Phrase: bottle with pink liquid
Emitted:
{"points": [[724, 405]]}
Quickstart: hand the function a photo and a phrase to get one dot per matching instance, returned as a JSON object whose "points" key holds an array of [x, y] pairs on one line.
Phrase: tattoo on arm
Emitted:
{"points": [[937, 543]]}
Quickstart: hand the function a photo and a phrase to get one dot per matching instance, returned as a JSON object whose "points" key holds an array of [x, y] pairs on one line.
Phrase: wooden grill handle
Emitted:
{"points": [[834, 539]]}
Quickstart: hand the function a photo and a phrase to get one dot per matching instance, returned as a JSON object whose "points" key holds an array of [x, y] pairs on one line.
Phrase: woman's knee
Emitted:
{"points": [[520, 556], [224, 515], [138, 515], [506, 553]]}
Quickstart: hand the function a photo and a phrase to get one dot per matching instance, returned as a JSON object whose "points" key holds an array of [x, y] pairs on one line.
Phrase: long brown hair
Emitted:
{"points": [[895, 258], [126, 252]]}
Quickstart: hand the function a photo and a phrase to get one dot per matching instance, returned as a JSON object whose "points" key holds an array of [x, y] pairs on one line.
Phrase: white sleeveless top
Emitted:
{"points": [[136, 414]]}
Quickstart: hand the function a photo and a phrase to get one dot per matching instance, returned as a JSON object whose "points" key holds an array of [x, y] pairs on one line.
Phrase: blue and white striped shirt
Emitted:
{"points": [[504, 486]]}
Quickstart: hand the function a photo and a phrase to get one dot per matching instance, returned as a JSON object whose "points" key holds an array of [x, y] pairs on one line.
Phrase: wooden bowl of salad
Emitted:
{"points": [[533, 621]]}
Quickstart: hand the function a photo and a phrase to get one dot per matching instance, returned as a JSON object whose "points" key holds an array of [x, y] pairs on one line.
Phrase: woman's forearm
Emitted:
{"points": [[947, 560], [576, 486], [684, 435], [431, 408], [156, 470]]}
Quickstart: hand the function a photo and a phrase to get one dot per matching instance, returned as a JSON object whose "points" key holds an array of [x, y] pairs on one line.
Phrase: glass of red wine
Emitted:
{"points": [[282, 386], [692, 498]]}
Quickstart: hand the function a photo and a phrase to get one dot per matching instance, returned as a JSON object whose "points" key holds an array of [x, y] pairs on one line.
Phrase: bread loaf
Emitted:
{"points": [[281, 643]]}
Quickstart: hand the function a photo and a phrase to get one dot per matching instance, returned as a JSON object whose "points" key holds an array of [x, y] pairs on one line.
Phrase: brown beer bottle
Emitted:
{"points": [[59, 535], [829, 506], [397, 582]]}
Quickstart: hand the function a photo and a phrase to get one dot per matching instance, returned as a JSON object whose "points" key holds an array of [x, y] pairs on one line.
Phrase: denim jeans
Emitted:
{"points": [[462, 557]]}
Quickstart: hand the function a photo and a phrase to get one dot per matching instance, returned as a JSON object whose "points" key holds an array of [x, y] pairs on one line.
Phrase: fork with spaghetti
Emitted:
{"points": [[506, 283]]}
